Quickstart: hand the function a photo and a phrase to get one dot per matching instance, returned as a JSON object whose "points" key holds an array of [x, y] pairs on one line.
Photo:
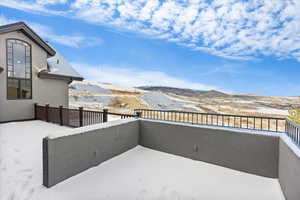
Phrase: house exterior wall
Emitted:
{"points": [[44, 91]]}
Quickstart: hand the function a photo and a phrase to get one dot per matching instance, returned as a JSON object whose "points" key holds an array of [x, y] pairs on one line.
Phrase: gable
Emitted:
{"points": [[21, 26]]}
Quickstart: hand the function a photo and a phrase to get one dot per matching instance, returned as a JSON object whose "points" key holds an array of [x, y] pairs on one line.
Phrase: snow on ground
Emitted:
{"points": [[21, 158], [272, 111], [192, 107], [140, 173], [91, 100], [88, 87], [158, 100], [104, 86], [266, 110], [183, 99], [86, 105], [113, 118]]}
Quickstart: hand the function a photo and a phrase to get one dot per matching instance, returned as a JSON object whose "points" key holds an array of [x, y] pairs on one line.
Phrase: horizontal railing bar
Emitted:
{"points": [[293, 123], [215, 114], [74, 117], [92, 111], [121, 114]]}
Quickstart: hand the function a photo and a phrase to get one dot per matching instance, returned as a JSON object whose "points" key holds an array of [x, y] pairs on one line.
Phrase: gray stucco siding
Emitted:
{"points": [[289, 171], [70, 155], [252, 153], [265, 154]]}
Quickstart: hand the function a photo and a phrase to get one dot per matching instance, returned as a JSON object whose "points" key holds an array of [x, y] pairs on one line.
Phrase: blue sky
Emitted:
{"points": [[233, 46]]}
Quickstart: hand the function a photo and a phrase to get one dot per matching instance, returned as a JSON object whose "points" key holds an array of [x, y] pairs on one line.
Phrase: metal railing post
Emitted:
{"points": [[81, 116], [35, 111], [47, 112], [138, 114], [61, 115], [105, 115]]}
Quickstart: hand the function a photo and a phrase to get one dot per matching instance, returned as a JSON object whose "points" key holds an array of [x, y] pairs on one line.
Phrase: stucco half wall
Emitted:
{"points": [[239, 150], [89, 146], [67, 156], [289, 168], [44, 91], [271, 155]]}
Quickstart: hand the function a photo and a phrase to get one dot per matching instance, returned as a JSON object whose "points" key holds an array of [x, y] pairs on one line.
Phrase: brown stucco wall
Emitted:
{"points": [[53, 92]]}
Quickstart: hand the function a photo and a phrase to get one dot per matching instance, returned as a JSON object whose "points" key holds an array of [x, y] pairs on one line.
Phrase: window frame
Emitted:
{"points": [[15, 78]]}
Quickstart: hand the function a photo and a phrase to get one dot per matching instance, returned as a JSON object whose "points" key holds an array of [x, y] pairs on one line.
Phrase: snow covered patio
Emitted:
{"points": [[139, 173]]}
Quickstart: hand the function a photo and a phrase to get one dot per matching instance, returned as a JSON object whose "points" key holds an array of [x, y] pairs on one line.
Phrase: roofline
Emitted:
{"points": [[45, 74], [21, 26]]}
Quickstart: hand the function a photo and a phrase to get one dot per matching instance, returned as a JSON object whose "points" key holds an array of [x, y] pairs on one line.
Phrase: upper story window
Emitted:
{"points": [[19, 78]]}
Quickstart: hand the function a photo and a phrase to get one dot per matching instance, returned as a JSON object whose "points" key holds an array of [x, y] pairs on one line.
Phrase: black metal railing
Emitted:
{"points": [[74, 117], [122, 115], [212, 119], [293, 131], [80, 117], [260, 123]]}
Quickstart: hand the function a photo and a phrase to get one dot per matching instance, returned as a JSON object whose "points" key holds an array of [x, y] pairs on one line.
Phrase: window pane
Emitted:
{"points": [[9, 61], [28, 51], [25, 89], [19, 60], [9, 68], [9, 50], [10, 74], [12, 89], [19, 70], [9, 44]]}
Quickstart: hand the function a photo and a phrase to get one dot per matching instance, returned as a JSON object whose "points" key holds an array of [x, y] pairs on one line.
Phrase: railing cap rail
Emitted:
{"points": [[293, 123], [216, 114]]}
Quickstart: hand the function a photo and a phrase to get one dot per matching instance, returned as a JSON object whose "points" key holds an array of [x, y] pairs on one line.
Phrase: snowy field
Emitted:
{"points": [[140, 173]]}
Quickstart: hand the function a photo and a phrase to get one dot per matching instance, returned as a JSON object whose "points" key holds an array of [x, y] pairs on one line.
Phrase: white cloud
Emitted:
{"points": [[47, 33], [46, 2], [134, 77], [230, 29], [30, 6], [67, 40]]}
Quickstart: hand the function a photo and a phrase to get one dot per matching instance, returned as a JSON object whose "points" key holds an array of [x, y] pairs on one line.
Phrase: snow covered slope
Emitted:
{"points": [[94, 95], [124, 99]]}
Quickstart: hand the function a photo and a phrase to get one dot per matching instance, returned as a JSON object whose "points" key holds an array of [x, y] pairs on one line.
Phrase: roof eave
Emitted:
{"points": [[44, 74], [21, 26]]}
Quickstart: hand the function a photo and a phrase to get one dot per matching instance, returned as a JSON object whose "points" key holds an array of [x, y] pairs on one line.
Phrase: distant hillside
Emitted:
{"points": [[186, 92], [95, 95]]}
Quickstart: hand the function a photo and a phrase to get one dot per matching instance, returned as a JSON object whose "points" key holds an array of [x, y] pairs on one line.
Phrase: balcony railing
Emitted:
{"points": [[293, 131], [212, 119], [74, 117], [259, 123], [80, 117]]}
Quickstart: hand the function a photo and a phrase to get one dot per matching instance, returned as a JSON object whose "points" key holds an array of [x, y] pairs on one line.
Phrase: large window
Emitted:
{"points": [[19, 80]]}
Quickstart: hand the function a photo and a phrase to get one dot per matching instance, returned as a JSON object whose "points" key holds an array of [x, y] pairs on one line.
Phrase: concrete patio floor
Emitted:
{"points": [[140, 173]]}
